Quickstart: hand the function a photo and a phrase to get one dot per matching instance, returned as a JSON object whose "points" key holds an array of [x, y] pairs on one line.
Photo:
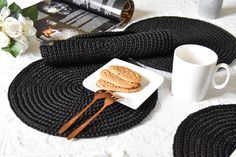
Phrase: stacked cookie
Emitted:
{"points": [[120, 79]]}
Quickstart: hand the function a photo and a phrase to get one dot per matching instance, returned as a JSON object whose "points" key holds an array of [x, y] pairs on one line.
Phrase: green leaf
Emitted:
{"points": [[31, 12], [15, 10], [14, 49], [3, 3]]}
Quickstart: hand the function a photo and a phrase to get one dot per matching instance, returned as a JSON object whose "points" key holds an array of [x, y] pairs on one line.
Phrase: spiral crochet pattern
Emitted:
{"points": [[210, 132], [49, 92], [46, 97], [187, 31]]}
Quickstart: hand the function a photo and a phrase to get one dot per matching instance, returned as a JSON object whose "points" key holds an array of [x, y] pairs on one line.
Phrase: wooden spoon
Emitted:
{"points": [[101, 94]]}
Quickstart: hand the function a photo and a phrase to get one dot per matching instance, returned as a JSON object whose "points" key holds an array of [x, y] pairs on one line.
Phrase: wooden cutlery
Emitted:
{"points": [[101, 94]]}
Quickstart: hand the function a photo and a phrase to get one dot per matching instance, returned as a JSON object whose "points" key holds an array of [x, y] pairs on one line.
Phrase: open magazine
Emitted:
{"points": [[62, 19]]}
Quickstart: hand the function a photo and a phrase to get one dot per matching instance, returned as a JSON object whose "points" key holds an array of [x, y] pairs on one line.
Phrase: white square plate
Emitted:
{"points": [[150, 83]]}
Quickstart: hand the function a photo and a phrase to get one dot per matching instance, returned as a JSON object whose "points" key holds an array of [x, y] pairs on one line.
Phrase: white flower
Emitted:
{"points": [[4, 13], [12, 27], [27, 26], [23, 43], [4, 40]]}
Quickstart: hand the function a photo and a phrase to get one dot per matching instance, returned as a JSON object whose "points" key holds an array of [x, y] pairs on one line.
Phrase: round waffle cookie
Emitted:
{"points": [[46, 97], [210, 132]]}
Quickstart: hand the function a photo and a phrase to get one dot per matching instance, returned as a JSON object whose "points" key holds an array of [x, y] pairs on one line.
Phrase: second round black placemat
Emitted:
{"points": [[45, 97], [210, 132], [187, 31]]}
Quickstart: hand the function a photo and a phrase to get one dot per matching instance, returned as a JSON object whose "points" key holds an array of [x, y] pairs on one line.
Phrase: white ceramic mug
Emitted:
{"points": [[210, 8], [194, 67]]}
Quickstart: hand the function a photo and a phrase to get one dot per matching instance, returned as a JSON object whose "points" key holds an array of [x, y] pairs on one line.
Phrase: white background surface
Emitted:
{"points": [[153, 137]]}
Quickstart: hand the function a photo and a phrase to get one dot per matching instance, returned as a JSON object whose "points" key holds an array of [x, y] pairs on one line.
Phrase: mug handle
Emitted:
{"points": [[220, 86]]}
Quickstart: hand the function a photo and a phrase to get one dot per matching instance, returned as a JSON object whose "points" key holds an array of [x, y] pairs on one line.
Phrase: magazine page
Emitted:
{"points": [[120, 10], [59, 20]]}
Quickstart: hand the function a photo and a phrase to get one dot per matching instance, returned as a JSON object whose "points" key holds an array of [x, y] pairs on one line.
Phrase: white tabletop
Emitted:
{"points": [[153, 137]]}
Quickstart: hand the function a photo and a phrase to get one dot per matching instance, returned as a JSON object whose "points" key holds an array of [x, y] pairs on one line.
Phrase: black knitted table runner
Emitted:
{"points": [[210, 132], [49, 92]]}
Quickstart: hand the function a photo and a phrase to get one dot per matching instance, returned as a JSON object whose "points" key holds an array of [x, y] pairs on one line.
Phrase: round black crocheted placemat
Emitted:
{"points": [[210, 132], [45, 97], [187, 31]]}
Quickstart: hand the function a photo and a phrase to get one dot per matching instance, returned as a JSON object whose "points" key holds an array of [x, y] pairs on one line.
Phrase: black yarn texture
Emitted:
{"points": [[46, 97], [187, 31], [150, 42], [210, 132], [49, 92], [102, 47]]}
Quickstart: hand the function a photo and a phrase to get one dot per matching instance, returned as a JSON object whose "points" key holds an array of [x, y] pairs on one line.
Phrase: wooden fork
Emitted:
{"points": [[100, 94], [108, 101]]}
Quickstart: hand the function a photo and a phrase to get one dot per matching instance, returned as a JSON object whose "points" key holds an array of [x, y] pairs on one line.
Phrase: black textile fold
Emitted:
{"points": [[100, 47], [150, 42]]}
